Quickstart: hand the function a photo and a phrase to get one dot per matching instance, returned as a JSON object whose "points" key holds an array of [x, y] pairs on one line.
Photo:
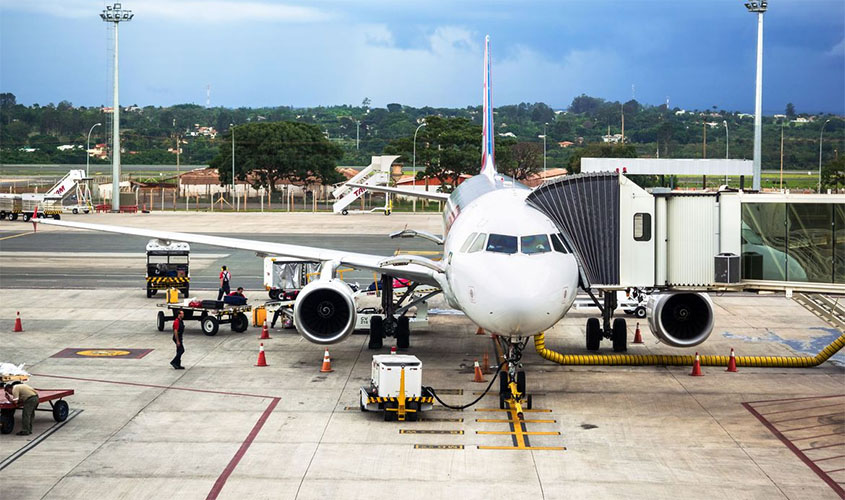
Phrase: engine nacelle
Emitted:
{"points": [[680, 319], [325, 311]]}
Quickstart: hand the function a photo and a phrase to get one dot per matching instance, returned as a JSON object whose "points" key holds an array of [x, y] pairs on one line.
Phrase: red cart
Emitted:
{"points": [[58, 406]]}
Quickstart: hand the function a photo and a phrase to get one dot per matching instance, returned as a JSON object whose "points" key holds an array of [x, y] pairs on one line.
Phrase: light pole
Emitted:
{"points": [[727, 146], [544, 150], [357, 133], [88, 148], [821, 136], [414, 179], [758, 7], [232, 128], [116, 14]]}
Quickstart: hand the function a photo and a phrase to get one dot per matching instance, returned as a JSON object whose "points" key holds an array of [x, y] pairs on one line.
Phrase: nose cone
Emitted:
{"points": [[523, 299]]}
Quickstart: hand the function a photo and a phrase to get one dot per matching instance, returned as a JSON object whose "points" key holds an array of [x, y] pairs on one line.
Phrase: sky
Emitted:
{"points": [[696, 54]]}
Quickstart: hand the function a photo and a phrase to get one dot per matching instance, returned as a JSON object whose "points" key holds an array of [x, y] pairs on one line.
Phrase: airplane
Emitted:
{"points": [[506, 265]]}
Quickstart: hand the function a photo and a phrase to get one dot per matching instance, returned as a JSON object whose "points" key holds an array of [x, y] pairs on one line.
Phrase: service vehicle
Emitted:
{"points": [[168, 266], [396, 388], [210, 313]]}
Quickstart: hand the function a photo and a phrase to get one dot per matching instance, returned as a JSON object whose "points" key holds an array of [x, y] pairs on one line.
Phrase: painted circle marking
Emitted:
{"points": [[101, 353]]}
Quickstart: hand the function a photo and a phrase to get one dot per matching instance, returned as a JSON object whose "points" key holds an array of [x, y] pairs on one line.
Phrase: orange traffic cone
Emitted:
{"points": [[478, 376], [638, 339], [732, 362], [265, 333], [327, 363], [485, 364], [262, 361], [18, 326], [696, 367], [480, 331]]}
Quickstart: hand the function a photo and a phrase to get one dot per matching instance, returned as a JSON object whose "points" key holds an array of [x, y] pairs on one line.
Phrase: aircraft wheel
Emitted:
{"points": [[593, 334], [528, 402], [520, 382], [160, 321], [376, 333], [403, 333], [503, 384], [503, 405], [620, 335]]}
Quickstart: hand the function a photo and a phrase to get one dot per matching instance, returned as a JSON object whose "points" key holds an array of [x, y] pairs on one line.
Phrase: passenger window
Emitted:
{"points": [[468, 242], [642, 227], [537, 243], [501, 243], [478, 244], [557, 244]]}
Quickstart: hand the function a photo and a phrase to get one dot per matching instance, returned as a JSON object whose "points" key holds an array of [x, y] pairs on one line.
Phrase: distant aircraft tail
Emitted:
{"points": [[488, 164]]}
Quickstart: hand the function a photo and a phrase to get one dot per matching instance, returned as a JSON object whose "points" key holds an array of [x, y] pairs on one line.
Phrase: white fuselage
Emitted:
{"points": [[511, 288]]}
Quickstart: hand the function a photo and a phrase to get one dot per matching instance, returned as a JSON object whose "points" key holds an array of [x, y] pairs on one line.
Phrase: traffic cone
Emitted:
{"points": [[478, 376], [696, 367], [265, 333], [18, 326], [732, 362], [485, 364], [393, 350], [638, 339], [480, 331], [327, 363], [262, 361]]}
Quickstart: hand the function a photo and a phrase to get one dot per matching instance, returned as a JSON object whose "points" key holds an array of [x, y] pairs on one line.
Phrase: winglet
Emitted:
{"points": [[488, 164]]}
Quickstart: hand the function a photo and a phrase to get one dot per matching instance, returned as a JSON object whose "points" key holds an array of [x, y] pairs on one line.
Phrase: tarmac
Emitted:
{"points": [[224, 428]]}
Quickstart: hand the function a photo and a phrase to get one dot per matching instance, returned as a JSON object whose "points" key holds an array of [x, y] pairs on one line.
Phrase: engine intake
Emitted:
{"points": [[680, 319], [325, 311]]}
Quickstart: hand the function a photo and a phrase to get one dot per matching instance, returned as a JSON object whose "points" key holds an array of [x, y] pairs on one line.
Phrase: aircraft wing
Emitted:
{"points": [[407, 192], [418, 269]]}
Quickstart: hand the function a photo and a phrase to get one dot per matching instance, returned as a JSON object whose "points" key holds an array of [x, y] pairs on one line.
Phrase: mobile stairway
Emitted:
{"points": [[376, 174]]}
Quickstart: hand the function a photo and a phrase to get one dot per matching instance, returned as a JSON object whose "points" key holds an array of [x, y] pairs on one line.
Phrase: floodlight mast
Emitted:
{"points": [[116, 14], [758, 7]]}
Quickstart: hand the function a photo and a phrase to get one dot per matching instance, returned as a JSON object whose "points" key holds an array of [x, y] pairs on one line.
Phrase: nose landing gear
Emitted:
{"points": [[512, 391]]}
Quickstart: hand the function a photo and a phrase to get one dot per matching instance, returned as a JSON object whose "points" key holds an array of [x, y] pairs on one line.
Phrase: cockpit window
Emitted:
{"points": [[536, 243], [468, 242], [501, 243], [478, 244], [557, 244]]}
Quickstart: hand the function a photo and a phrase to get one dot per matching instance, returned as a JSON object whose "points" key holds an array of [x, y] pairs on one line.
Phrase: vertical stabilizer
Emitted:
{"points": [[488, 164]]}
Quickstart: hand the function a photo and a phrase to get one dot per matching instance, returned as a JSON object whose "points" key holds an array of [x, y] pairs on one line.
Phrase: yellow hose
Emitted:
{"points": [[685, 360]]}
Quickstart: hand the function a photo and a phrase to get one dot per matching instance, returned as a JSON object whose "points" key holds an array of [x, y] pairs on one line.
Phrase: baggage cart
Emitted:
{"points": [[58, 406], [210, 318]]}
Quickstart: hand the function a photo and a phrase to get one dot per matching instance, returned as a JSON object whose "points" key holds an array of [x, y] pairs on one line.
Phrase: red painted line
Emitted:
{"points": [[809, 463], [224, 476], [775, 401], [155, 386], [828, 458], [800, 409], [815, 437], [808, 427], [825, 446], [802, 418]]}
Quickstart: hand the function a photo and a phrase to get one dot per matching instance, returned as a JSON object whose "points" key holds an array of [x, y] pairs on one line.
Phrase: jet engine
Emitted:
{"points": [[680, 319], [325, 311]]}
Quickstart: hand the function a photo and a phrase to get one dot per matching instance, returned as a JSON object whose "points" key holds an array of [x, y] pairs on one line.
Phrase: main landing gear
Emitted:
{"points": [[512, 378], [597, 330]]}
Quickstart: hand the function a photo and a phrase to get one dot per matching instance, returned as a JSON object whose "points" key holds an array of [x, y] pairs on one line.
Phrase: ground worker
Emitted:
{"points": [[22, 394], [178, 330], [225, 277]]}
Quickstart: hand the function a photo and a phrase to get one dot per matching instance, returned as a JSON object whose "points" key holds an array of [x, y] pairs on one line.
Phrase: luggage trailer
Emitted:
{"points": [[58, 406], [210, 318]]}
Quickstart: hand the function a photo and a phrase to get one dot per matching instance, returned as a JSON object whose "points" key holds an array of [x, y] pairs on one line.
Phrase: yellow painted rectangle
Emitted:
{"points": [[427, 431], [438, 447], [524, 411], [436, 419]]}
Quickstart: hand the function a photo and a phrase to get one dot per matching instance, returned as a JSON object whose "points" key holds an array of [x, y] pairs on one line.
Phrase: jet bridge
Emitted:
{"points": [[626, 237]]}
